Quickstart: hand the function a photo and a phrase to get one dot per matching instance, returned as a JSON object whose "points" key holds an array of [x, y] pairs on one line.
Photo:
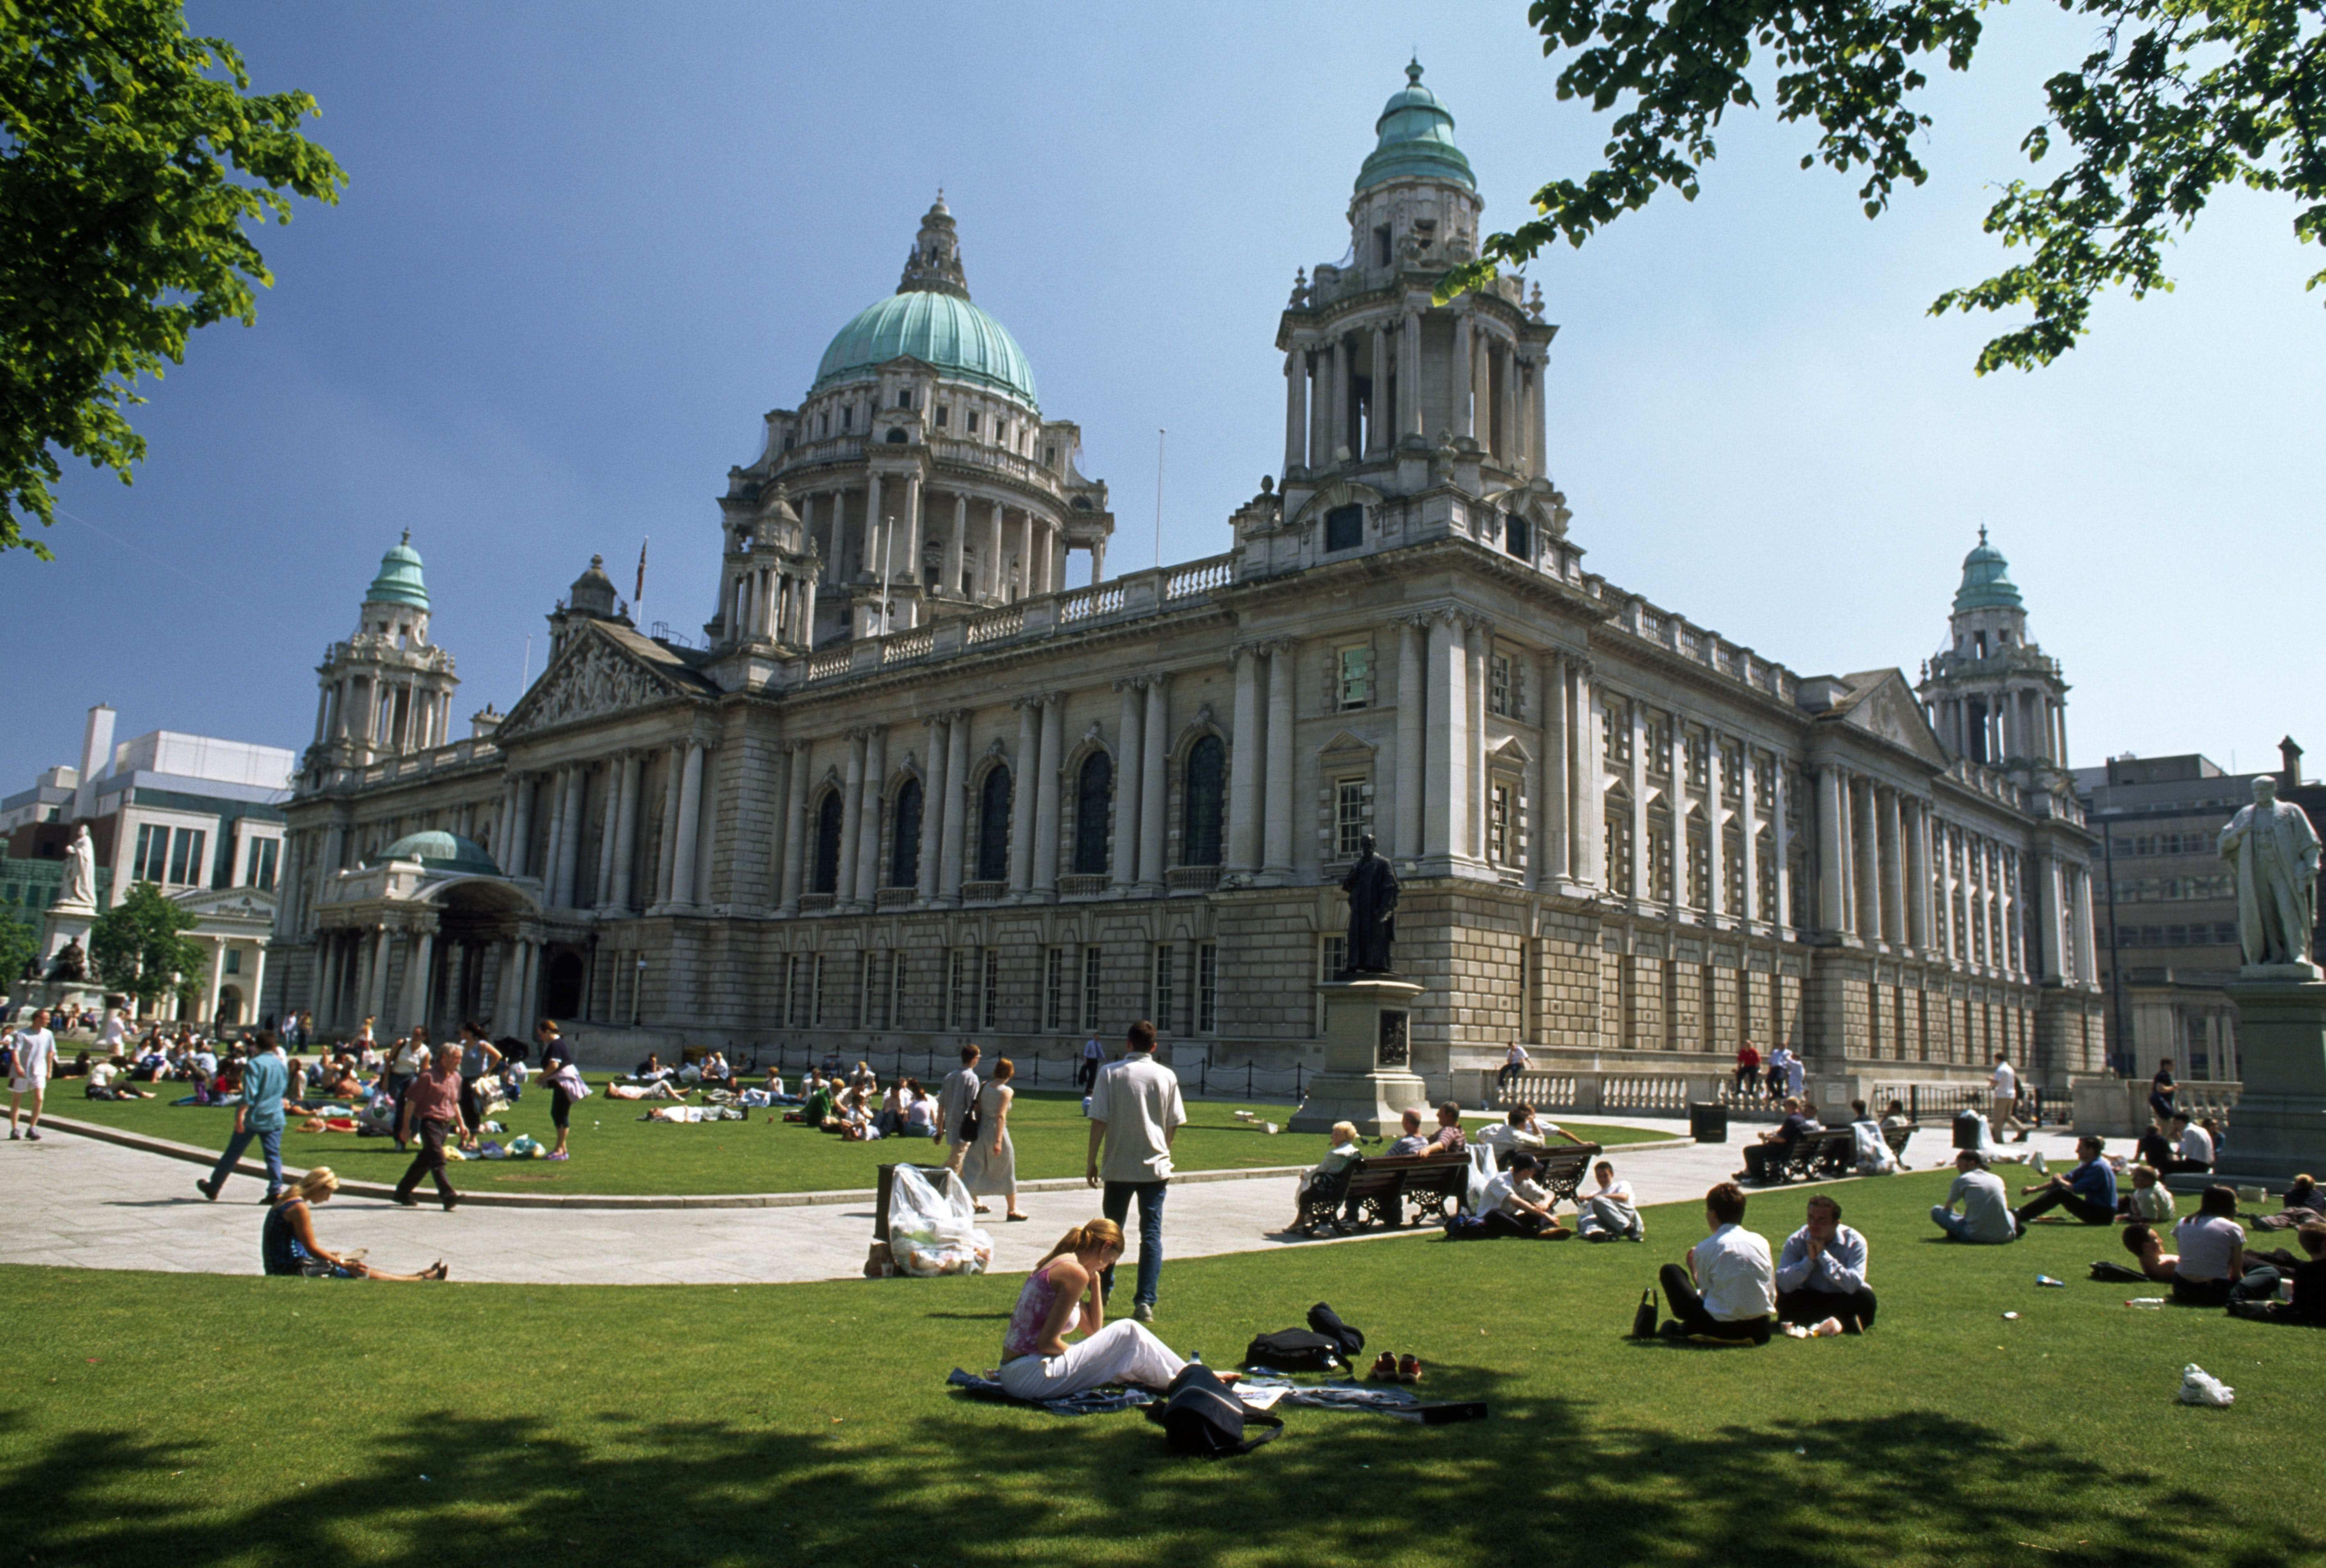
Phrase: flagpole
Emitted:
{"points": [[1159, 497]]}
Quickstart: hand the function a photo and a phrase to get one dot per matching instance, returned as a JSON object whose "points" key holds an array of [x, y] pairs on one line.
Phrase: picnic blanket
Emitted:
{"points": [[1342, 1394]]}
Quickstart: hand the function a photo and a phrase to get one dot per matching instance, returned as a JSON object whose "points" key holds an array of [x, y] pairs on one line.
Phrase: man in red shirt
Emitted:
{"points": [[1748, 1068], [433, 1103]]}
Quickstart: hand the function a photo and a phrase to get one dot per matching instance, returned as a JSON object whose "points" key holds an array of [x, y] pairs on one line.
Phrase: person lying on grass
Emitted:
{"points": [[287, 1243], [660, 1089], [1515, 1205], [1062, 1297]]}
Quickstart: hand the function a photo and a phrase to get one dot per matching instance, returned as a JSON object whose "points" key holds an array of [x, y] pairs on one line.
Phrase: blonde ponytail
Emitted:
{"points": [[1095, 1233]]}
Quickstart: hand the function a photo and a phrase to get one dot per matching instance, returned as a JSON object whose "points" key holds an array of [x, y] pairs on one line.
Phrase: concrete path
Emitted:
{"points": [[75, 1202]]}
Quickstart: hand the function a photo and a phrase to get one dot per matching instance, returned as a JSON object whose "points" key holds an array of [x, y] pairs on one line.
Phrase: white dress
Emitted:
{"points": [[989, 1175]]}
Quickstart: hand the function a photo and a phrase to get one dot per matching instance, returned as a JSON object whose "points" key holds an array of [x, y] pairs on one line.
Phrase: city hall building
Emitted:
{"points": [[912, 789]]}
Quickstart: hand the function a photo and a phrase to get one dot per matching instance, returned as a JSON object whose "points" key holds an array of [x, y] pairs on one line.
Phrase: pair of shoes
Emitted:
{"points": [[1384, 1370], [982, 1209], [1408, 1368], [1141, 1312], [1555, 1233], [439, 1269], [32, 1136], [275, 1196], [203, 1187]]}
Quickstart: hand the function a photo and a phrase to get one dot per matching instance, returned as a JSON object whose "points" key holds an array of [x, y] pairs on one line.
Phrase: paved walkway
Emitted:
{"points": [[75, 1202]]}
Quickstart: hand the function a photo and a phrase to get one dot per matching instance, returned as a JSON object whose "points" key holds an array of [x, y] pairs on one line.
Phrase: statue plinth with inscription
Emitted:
{"points": [[2278, 1130], [1367, 1079]]}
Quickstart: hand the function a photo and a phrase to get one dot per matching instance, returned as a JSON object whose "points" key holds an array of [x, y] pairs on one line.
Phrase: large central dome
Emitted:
{"points": [[931, 318]]}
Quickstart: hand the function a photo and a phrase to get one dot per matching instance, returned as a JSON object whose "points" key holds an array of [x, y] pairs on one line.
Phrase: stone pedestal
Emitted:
{"points": [[1368, 1078], [2279, 1127], [62, 924]]}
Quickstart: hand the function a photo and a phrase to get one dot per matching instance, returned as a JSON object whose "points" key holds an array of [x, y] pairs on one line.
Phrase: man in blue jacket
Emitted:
{"points": [[265, 1079], [2088, 1191]]}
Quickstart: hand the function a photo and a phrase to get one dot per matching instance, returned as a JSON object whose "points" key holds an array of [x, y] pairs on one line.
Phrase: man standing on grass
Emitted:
{"points": [[35, 1052], [956, 1098], [433, 1103], [1135, 1112], [266, 1080]]}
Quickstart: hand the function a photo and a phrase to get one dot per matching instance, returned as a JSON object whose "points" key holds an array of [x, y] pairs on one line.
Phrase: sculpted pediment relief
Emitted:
{"points": [[1347, 746], [590, 679], [1888, 708]]}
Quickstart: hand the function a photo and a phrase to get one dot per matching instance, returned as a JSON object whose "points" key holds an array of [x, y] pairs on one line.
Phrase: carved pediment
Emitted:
{"points": [[590, 679], [1510, 754], [1346, 746], [1884, 705], [1339, 492]]}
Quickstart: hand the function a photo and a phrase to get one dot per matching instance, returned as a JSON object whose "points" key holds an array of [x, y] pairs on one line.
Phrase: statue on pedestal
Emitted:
{"points": [[1371, 887], [72, 962], [79, 890], [2274, 850]]}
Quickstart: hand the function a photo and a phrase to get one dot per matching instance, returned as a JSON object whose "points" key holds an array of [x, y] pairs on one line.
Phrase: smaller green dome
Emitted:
{"points": [[1986, 581], [441, 851], [399, 580], [1417, 139]]}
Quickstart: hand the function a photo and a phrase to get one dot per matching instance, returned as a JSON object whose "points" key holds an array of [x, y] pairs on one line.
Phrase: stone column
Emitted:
{"points": [[871, 551], [1130, 774], [1748, 818], [419, 951], [1441, 788], [1832, 856], [528, 984], [868, 819], [1276, 825], [626, 832], [1459, 386], [2086, 970], [2006, 901], [1296, 412], [1642, 888], [795, 826], [609, 832], [1045, 797], [1478, 641], [1244, 764], [258, 975], [1715, 841], [360, 1000], [553, 841], [1537, 435], [1154, 789], [1866, 858], [1320, 411], [1377, 417], [1027, 576], [851, 819], [1408, 375], [933, 797], [1333, 360], [673, 764], [912, 545], [1412, 699], [996, 579], [1918, 876], [1893, 871], [1588, 802], [1545, 816], [956, 551], [953, 827], [683, 890], [1024, 765]]}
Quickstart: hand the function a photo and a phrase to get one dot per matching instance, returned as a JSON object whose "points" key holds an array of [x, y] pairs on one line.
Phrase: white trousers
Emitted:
{"points": [[1122, 1352], [1605, 1214]]}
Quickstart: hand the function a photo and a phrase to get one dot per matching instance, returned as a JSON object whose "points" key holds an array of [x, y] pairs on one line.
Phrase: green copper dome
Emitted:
{"points": [[441, 851], [1986, 581], [399, 580], [1417, 139], [943, 331]]}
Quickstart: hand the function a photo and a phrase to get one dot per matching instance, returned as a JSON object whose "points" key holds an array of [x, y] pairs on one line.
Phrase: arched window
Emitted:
{"points": [[904, 835], [827, 843], [993, 827], [1092, 789], [1199, 819]]}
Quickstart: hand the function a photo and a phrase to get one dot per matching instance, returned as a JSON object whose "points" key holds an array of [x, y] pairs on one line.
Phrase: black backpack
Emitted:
{"points": [[1294, 1350], [1327, 1323], [1201, 1415]]}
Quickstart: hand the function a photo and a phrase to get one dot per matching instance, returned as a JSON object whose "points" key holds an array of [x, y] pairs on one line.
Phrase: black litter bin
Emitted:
{"points": [[1707, 1122], [1967, 1128]]}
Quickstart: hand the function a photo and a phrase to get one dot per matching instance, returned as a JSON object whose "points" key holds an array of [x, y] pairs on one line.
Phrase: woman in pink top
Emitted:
{"points": [[1063, 1296]]}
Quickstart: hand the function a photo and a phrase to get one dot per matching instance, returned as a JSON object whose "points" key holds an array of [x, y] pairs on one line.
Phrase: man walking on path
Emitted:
{"points": [[433, 1103], [266, 1080], [35, 1052], [1135, 1112], [1093, 1055], [2003, 1088], [955, 1099]]}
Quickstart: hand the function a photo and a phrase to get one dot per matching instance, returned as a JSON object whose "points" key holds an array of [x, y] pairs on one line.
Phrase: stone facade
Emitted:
{"points": [[1026, 813]]}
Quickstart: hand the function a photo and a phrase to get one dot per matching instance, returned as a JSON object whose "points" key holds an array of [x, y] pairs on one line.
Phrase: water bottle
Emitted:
{"points": [[2047, 1279], [2153, 1302]]}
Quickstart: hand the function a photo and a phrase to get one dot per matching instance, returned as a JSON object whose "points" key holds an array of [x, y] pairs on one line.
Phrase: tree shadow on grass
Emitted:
{"points": [[1538, 1482]]}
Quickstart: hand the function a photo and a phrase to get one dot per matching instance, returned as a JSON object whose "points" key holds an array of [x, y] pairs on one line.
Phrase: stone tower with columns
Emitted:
{"points": [[1991, 694], [387, 690]]}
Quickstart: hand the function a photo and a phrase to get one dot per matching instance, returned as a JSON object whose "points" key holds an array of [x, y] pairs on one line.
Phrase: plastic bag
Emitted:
{"points": [[2199, 1386], [1482, 1171], [932, 1232]]}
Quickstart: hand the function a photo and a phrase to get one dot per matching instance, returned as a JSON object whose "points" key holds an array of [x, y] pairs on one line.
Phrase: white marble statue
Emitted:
{"points": [[2274, 852], [80, 872]]}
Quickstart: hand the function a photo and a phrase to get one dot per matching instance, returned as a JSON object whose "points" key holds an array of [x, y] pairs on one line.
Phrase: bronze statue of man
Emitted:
{"points": [[1371, 887]]}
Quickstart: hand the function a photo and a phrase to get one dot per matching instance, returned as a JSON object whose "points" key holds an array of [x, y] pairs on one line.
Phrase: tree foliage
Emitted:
{"points": [[137, 949], [20, 942], [131, 164], [2177, 99]]}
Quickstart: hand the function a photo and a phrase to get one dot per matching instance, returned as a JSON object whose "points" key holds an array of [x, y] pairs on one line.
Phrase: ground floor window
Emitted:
{"points": [[1207, 988], [1165, 1003], [815, 992], [1090, 988], [992, 1008], [957, 990], [1054, 989]]}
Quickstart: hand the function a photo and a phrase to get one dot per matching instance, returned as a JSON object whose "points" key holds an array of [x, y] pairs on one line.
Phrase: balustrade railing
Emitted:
{"points": [[1199, 576]]}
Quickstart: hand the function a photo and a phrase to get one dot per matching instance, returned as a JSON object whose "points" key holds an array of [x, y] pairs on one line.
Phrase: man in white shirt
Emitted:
{"points": [[1093, 1055], [1515, 1205], [1728, 1289], [1986, 1218], [1611, 1211], [956, 1098], [35, 1051], [2003, 1090], [1135, 1112], [1514, 1063], [1778, 1080], [2196, 1145]]}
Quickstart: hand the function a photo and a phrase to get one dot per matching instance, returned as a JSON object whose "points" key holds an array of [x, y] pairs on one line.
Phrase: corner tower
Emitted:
{"points": [[1991, 694], [386, 690]]}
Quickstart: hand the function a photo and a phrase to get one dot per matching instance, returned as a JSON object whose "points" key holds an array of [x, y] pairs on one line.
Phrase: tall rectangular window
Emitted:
{"points": [[1498, 699], [1351, 815], [1054, 989], [870, 994], [1166, 1000], [815, 992], [1498, 824], [1207, 988], [261, 862], [151, 859], [957, 990], [1332, 957], [897, 972], [794, 1012], [1089, 989], [186, 854], [992, 987], [1356, 688]]}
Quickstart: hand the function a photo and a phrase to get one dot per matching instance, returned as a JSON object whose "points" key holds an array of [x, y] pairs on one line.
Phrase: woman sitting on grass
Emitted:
{"points": [[920, 1111], [1062, 1295], [2211, 1269], [287, 1243]]}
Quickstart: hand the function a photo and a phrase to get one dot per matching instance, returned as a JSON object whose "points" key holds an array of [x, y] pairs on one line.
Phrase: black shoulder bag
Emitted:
{"points": [[1201, 1415]]}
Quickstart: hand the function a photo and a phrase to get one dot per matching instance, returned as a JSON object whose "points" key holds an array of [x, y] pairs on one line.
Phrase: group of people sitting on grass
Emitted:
{"points": [[1729, 1290], [1773, 1155]]}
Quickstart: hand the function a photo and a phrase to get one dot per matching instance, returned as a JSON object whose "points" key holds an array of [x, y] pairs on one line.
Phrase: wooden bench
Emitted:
{"points": [[1827, 1152], [1379, 1187]]}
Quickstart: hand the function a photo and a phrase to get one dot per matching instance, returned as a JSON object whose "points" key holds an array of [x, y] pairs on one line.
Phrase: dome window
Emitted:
{"points": [[905, 398], [847, 415], [1344, 527], [1518, 536], [896, 438], [1380, 245], [1049, 457], [941, 411], [972, 421], [823, 424]]}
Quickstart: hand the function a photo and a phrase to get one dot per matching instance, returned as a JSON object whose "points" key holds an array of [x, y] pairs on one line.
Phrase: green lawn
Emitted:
{"points": [[617, 1154], [279, 1422]]}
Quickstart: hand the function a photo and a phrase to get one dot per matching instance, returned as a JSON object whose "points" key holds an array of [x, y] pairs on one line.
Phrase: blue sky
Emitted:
{"points": [[585, 246]]}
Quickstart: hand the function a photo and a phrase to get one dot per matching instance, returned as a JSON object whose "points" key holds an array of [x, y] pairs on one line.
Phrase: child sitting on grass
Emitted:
{"points": [[2149, 1201]]}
